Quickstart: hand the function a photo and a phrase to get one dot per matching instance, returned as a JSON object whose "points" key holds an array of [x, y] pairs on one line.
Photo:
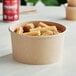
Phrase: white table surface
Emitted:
{"points": [[9, 67]]}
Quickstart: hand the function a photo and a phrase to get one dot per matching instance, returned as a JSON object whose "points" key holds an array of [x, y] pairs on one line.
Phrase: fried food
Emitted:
{"points": [[19, 30], [28, 27], [33, 33], [41, 30], [41, 24]]}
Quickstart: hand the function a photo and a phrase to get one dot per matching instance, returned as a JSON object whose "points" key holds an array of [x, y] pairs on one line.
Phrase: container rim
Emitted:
{"points": [[36, 36]]}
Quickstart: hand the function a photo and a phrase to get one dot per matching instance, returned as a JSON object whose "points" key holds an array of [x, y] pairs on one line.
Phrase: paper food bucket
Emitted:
{"points": [[72, 3], [70, 13], [37, 49]]}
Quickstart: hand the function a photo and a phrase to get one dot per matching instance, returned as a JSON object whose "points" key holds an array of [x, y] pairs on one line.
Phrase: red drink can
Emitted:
{"points": [[10, 10]]}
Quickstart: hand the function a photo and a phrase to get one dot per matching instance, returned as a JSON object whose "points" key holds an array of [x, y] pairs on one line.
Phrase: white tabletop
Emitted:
{"points": [[9, 67]]}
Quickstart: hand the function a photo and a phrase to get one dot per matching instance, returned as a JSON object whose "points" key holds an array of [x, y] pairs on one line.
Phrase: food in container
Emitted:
{"points": [[40, 49], [41, 29]]}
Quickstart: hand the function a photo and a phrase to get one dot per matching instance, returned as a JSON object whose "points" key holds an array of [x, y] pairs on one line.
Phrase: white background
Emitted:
{"points": [[9, 67]]}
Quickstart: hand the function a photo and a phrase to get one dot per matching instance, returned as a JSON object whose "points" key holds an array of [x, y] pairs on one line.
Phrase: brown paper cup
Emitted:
{"points": [[37, 49], [72, 3], [70, 13]]}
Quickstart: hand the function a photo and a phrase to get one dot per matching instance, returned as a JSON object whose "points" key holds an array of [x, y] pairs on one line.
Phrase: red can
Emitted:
{"points": [[10, 10]]}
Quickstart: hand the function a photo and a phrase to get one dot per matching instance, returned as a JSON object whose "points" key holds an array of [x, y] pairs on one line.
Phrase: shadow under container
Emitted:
{"points": [[37, 50]]}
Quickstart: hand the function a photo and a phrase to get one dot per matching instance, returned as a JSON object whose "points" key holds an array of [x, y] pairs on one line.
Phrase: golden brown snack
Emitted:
{"points": [[33, 33], [35, 29], [28, 27], [41, 30], [53, 29], [47, 33], [41, 24], [19, 30]]}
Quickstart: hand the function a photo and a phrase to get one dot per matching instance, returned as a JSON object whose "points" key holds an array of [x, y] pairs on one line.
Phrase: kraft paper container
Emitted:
{"points": [[37, 49], [72, 3], [70, 13]]}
